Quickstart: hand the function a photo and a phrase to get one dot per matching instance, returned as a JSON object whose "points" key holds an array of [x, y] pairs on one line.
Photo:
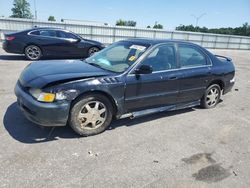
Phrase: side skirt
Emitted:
{"points": [[160, 109]]}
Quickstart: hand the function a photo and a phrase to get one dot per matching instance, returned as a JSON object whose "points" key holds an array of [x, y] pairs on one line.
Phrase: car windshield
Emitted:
{"points": [[119, 56]]}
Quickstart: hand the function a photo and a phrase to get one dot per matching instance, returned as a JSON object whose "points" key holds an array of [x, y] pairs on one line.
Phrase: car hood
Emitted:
{"points": [[93, 42], [41, 73]]}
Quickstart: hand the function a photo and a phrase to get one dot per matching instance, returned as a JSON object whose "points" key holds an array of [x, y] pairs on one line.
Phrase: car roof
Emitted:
{"points": [[153, 41], [40, 28]]}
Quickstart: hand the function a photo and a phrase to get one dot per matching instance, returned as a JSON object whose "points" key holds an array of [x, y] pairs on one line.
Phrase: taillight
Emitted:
{"points": [[10, 38]]}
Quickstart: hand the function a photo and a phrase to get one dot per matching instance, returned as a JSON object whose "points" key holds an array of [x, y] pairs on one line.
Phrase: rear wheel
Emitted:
{"points": [[33, 52], [211, 96], [91, 115], [93, 50]]}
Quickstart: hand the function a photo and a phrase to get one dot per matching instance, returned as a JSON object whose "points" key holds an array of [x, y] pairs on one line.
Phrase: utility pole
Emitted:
{"points": [[35, 9], [197, 18]]}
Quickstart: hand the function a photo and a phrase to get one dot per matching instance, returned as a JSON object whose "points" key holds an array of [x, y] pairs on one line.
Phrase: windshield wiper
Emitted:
{"points": [[99, 66], [95, 65]]}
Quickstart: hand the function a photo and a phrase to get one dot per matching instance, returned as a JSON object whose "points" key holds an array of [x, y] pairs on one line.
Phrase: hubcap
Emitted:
{"points": [[92, 115], [93, 50], [212, 96], [33, 52]]}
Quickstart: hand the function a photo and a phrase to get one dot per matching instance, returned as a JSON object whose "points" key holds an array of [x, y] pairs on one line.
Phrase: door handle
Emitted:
{"points": [[173, 78]]}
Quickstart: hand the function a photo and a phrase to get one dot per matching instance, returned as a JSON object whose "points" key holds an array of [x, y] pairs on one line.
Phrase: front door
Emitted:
{"points": [[159, 88]]}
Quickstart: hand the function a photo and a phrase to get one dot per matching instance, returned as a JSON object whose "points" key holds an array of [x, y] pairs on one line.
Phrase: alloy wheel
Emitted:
{"points": [[92, 115], [33, 52], [93, 50], [212, 96]]}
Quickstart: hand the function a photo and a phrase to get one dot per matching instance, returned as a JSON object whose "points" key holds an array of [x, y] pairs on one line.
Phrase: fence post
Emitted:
{"points": [[188, 34], [172, 35], [202, 39], [215, 41], [228, 41], [114, 34], [240, 43], [135, 33]]}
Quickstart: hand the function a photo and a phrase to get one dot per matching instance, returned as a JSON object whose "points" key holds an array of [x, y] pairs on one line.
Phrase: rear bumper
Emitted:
{"points": [[12, 47], [228, 87], [45, 114]]}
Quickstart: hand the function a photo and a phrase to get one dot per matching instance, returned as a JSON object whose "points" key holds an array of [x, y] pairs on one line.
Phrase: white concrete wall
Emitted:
{"points": [[110, 34]]}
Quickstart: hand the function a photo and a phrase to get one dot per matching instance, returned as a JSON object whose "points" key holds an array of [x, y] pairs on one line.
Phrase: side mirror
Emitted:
{"points": [[78, 40], [144, 69]]}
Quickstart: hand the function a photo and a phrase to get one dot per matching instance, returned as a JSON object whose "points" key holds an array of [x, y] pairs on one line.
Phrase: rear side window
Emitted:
{"points": [[67, 35], [48, 33], [191, 57]]}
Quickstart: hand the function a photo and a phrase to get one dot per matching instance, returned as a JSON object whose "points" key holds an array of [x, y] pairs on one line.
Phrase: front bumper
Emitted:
{"points": [[45, 114]]}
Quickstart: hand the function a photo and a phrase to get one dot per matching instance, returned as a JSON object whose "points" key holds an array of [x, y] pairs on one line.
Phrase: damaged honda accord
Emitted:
{"points": [[129, 78]]}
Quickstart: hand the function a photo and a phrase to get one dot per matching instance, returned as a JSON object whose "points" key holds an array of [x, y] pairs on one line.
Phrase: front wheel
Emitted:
{"points": [[93, 50], [91, 115], [211, 96]]}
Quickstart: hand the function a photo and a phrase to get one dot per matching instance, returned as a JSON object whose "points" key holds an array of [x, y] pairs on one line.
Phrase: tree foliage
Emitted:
{"points": [[158, 26], [121, 22], [243, 30], [51, 18], [21, 9]]}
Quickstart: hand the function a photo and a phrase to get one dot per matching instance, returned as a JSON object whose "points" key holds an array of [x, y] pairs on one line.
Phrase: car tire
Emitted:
{"points": [[211, 97], [33, 52], [91, 115], [93, 50]]}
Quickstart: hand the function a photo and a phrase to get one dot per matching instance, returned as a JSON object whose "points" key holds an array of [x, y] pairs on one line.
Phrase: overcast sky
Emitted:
{"points": [[218, 13]]}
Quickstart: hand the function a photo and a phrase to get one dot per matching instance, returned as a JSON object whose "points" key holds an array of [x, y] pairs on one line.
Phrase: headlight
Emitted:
{"points": [[42, 96], [50, 97]]}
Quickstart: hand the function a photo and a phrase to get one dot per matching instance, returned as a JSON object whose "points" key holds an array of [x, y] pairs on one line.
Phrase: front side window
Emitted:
{"points": [[48, 33], [119, 56], [191, 57], [161, 58]]}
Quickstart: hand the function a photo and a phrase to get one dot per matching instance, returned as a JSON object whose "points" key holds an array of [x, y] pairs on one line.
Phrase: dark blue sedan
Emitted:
{"points": [[50, 42], [130, 78]]}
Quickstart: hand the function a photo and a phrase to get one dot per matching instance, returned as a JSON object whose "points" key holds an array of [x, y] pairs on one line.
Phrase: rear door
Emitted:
{"points": [[159, 88], [195, 68], [49, 41]]}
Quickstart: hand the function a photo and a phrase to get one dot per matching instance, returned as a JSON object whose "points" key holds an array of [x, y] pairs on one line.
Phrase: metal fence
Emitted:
{"points": [[110, 34]]}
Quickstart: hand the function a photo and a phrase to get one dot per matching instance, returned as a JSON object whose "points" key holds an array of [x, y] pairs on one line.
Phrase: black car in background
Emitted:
{"points": [[49, 42], [129, 78]]}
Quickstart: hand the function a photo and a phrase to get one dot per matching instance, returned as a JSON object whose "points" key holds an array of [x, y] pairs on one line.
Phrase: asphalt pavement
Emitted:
{"points": [[185, 148]]}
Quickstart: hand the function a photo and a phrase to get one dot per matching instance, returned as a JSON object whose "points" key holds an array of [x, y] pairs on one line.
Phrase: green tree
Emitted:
{"points": [[129, 23], [51, 18], [21, 9], [158, 26], [244, 30], [148, 27], [120, 22]]}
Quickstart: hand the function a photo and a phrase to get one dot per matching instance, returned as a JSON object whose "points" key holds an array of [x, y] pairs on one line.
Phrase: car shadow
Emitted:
{"points": [[23, 58], [13, 57], [25, 131]]}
